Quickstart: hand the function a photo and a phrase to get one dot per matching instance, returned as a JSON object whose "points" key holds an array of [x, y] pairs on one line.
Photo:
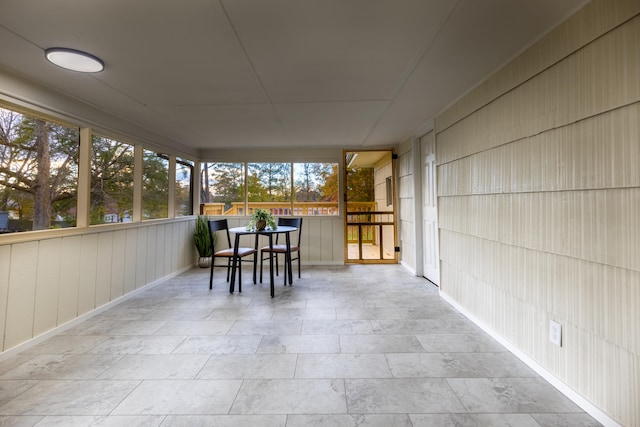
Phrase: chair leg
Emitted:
{"points": [[213, 261], [299, 264], [228, 268], [261, 264], [255, 265], [275, 254], [239, 275]]}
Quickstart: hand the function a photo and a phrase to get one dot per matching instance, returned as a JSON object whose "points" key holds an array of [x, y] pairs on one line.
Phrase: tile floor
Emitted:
{"points": [[345, 346]]}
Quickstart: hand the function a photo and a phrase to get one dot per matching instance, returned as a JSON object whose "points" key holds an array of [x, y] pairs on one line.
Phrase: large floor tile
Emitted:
{"points": [[102, 421], [265, 327], [444, 365], [138, 344], [380, 344], [219, 345], [225, 421], [67, 397], [300, 344], [198, 397], [500, 395], [249, 366], [342, 366], [153, 366], [439, 342], [355, 420], [62, 366], [290, 397], [195, 327], [473, 420], [403, 395]]}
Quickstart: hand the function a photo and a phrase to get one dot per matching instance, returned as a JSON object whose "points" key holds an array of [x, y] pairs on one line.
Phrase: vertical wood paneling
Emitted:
{"points": [[406, 210], [131, 253], [169, 248], [47, 285], [5, 263], [88, 273], [104, 270], [141, 257], [22, 292], [152, 253], [118, 262], [69, 297], [337, 241], [176, 251], [314, 231], [326, 240]]}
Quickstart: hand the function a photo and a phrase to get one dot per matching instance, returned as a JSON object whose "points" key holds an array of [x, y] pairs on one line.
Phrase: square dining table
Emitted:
{"points": [[269, 232]]}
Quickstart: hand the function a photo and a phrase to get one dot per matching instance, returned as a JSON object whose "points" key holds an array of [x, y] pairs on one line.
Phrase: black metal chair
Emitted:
{"points": [[228, 253], [281, 249]]}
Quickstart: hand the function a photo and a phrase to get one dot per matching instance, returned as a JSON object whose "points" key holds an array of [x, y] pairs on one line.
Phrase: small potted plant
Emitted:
{"points": [[202, 240], [260, 219]]}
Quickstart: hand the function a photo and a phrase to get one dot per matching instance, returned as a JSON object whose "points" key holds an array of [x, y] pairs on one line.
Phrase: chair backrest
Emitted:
{"points": [[292, 222], [216, 225]]}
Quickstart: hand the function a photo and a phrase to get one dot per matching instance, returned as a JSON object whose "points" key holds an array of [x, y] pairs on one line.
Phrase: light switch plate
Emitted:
{"points": [[555, 333]]}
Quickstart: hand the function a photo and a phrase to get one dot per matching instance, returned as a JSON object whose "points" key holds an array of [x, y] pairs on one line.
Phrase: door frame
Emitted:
{"points": [[394, 212]]}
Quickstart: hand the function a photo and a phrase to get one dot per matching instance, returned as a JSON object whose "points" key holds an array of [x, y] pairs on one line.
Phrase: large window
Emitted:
{"points": [[281, 188], [222, 187], [269, 187], [184, 187], [316, 188], [38, 173], [155, 185], [111, 181]]}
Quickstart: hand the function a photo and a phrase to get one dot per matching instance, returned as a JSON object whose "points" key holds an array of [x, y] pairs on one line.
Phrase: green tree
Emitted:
{"points": [[38, 169], [226, 183], [155, 186], [111, 179], [360, 185], [329, 187], [271, 183]]}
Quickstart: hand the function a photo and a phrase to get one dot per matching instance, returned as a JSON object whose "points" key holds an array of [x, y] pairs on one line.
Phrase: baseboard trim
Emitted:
{"points": [[577, 398], [88, 315]]}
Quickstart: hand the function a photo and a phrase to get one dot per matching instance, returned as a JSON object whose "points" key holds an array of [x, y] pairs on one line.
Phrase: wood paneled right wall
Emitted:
{"points": [[539, 203]]}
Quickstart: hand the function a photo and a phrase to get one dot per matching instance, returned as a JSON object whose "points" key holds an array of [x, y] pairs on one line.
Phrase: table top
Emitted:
{"points": [[280, 229]]}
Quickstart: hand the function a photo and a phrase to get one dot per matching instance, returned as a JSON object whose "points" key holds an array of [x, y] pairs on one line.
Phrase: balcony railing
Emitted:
{"points": [[284, 208]]}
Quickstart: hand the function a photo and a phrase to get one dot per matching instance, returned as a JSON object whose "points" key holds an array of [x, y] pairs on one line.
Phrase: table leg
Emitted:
{"points": [[234, 264], [271, 264], [288, 261]]}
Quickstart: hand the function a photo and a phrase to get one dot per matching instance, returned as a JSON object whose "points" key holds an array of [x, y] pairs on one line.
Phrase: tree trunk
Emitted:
{"points": [[42, 190], [204, 188]]}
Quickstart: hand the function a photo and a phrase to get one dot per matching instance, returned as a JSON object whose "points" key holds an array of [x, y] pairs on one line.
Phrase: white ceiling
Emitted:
{"points": [[216, 74]]}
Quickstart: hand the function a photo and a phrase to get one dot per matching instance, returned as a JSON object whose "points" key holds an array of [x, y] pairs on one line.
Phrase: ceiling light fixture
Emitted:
{"points": [[74, 60]]}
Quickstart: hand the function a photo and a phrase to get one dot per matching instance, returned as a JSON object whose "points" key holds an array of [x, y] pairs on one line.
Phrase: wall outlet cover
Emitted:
{"points": [[555, 333]]}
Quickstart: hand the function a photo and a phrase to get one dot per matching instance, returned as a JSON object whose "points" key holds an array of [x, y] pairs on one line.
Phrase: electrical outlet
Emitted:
{"points": [[555, 333]]}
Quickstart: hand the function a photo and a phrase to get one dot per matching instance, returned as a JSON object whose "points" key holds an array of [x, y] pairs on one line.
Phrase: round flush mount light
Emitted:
{"points": [[74, 60]]}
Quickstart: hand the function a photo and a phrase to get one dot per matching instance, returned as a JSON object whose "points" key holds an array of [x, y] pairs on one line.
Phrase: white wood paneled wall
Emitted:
{"points": [[406, 206], [48, 282], [539, 194]]}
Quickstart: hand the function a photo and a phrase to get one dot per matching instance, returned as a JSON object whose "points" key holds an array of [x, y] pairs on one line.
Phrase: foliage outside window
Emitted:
{"points": [[269, 187], [38, 173], [155, 185], [111, 181], [316, 188], [222, 188], [281, 188], [184, 188]]}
